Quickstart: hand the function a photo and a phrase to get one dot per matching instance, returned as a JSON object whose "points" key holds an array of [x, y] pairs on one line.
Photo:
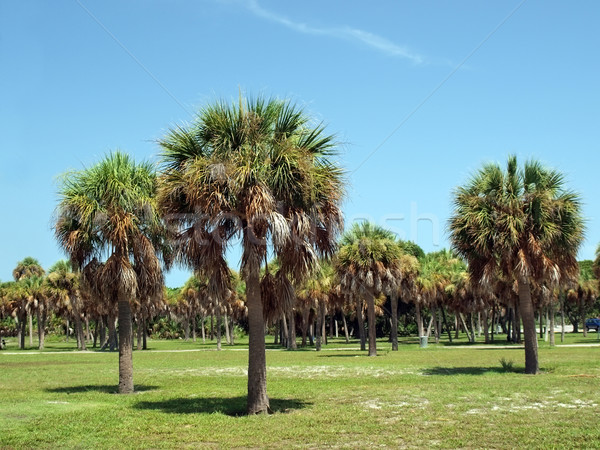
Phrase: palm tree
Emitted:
{"points": [[63, 287], [110, 209], [27, 268], [519, 225], [368, 264], [15, 302], [259, 170]]}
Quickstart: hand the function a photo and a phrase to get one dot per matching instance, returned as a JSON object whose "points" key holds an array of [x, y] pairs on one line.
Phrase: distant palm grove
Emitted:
{"points": [[260, 174]]}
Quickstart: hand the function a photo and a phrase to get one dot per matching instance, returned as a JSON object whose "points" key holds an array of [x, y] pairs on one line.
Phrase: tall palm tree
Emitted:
{"points": [[260, 170], [521, 225], [110, 209], [369, 264]]}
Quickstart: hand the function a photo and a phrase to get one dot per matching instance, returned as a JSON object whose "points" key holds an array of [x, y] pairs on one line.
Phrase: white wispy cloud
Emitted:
{"points": [[348, 33]]}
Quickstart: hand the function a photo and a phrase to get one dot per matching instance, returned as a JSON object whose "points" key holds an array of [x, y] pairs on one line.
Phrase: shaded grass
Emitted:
{"points": [[434, 397]]}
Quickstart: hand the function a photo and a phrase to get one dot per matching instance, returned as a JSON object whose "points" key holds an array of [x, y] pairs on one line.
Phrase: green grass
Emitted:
{"points": [[442, 396]]}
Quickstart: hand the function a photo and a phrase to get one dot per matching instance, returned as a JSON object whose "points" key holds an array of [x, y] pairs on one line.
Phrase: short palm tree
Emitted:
{"points": [[110, 209], [63, 288], [369, 264], [27, 268], [259, 170], [521, 225]]}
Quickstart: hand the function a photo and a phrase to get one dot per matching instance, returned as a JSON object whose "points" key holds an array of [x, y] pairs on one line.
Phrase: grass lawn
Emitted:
{"points": [[441, 396]]}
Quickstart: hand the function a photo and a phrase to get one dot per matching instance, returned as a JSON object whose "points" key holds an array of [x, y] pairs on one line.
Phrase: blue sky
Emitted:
{"points": [[420, 94]]}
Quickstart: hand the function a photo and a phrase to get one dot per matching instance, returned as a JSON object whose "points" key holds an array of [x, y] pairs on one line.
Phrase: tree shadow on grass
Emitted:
{"points": [[104, 388], [468, 370], [231, 406]]}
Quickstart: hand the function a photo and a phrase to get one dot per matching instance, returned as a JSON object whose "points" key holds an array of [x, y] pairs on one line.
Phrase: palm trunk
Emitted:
{"points": [[227, 333], [394, 332], [30, 322], [144, 335], [23, 332], [186, 328], [434, 316], [202, 330], [486, 326], [218, 326], [361, 323], [419, 319], [292, 332], [194, 327], [258, 402], [371, 322], [345, 328], [331, 320], [552, 324], [88, 334], [112, 334], [323, 324], [547, 324], [562, 321], [527, 314], [305, 324], [493, 322], [318, 329], [139, 334], [446, 324], [80, 332], [41, 323], [125, 348]]}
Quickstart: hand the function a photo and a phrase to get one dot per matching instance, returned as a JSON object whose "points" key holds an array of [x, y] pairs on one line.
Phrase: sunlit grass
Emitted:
{"points": [[441, 396]]}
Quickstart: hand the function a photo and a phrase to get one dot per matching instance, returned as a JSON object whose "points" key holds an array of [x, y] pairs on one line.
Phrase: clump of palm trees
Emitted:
{"points": [[261, 172]]}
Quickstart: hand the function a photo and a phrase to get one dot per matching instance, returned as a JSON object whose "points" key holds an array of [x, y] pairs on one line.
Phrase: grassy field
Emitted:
{"points": [[190, 396]]}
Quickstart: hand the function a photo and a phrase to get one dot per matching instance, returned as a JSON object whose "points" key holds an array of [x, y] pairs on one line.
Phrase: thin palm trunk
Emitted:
{"points": [[202, 330], [125, 348], [218, 326], [552, 323], [42, 319], [323, 324], [305, 324], [346, 335], [361, 324], [371, 321], [562, 321], [144, 335], [194, 327], [530, 335], [394, 332], [419, 319], [486, 326], [258, 402], [30, 322], [446, 324], [227, 333], [112, 334], [186, 328], [139, 334], [318, 329]]}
